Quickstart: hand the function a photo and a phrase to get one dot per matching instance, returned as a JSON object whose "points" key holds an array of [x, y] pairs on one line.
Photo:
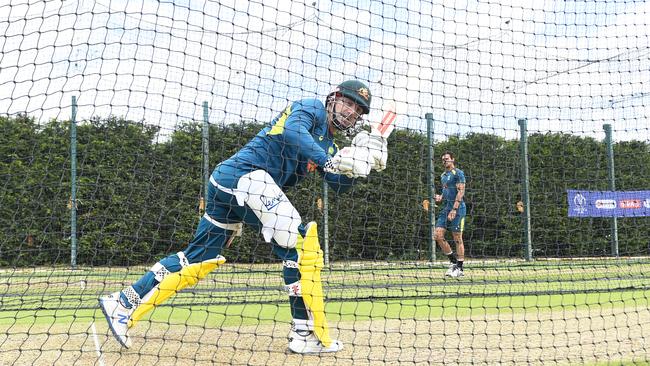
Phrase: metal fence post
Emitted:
{"points": [[326, 238], [205, 144], [609, 145], [73, 184], [525, 189], [430, 186]]}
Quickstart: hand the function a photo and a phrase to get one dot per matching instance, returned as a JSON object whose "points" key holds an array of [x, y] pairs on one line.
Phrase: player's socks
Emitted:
{"points": [[452, 257], [459, 264]]}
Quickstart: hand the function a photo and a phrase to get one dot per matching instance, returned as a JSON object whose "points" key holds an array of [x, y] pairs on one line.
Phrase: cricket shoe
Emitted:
{"points": [[117, 316], [305, 341], [450, 270], [455, 272]]}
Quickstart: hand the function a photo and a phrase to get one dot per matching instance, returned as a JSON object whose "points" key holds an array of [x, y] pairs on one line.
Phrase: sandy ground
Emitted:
{"points": [[548, 338]]}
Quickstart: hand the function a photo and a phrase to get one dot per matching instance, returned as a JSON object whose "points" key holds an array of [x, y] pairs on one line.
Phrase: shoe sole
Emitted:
{"points": [[110, 324], [310, 353], [314, 352]]}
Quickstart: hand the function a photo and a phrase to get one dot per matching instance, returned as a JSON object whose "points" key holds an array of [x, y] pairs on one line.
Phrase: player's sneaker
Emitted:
{"points": [[452, 266], [305, 341], [117, 316], [455, 272]]}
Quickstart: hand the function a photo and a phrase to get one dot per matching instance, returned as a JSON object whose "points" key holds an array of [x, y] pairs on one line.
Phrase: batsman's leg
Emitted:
{"points": [[125, 308], [310, 331], [185, 268], [265, 207]]}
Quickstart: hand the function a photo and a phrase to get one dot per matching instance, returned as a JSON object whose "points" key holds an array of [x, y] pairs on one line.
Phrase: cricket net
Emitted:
{"points": [[113, 114]]}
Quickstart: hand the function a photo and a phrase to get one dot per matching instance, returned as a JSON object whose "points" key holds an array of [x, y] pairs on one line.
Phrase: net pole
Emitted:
{"points": [[525, 189], [612, 186], [73, 184], [430, 185], [205, 144], [326, 238]]}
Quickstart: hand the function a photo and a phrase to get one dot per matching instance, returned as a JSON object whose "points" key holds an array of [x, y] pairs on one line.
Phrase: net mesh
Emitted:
{"points": [[98, 188]]}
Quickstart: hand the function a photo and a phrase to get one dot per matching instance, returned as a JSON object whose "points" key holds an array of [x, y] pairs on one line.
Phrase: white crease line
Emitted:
{"points": [[100, 357]]}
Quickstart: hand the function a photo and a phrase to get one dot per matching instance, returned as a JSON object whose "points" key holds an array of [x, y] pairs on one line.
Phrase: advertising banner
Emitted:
{"points": [[608, 203]]}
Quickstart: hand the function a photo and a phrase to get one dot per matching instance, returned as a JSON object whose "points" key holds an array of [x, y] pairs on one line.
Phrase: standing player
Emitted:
{"points": [[452, 214], [248, 188]]}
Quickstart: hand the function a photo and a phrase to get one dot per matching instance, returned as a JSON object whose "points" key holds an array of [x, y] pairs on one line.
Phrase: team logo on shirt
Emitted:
{"points": [[364, 93]]}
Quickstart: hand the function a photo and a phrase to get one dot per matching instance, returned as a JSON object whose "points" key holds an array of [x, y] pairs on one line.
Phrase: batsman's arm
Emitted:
{"points": [[296, 133]]}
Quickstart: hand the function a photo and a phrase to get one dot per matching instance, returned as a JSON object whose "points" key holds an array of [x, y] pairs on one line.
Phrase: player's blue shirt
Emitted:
{"points": [[449, 179], [295, 142]]}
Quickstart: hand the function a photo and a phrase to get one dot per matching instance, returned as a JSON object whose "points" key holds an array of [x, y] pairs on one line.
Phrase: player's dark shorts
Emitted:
{"points": [[456, 225]]}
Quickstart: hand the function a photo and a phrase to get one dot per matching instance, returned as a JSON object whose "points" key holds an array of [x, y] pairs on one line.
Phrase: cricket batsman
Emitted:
{"points": [[248, 188]]}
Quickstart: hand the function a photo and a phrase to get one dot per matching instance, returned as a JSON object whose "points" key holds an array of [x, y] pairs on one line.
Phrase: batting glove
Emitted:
{"points": [[353, 162], [374, 146]]}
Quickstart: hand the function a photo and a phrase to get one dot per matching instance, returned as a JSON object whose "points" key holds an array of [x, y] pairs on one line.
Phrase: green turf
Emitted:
{"points": [[34, 302], [239, 294], [620, 363], [250, 314]]}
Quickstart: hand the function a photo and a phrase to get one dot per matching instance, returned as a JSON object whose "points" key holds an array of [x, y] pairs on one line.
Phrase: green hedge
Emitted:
{"points": [[138, 195]]}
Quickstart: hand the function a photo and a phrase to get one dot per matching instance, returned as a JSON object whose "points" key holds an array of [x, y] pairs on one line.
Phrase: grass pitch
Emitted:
{"points": [[552, 312]]}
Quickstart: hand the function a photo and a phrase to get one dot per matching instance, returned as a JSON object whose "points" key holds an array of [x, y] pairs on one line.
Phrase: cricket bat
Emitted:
{"points": [[386, 126]]}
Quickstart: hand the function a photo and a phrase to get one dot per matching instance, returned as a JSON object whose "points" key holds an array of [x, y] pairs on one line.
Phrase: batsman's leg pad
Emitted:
{"points": [[310, 264], [172, 283]]}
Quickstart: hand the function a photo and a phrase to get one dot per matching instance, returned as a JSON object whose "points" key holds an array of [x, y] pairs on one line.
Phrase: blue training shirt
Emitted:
{"points": [[449, 179], [297, 141]]}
